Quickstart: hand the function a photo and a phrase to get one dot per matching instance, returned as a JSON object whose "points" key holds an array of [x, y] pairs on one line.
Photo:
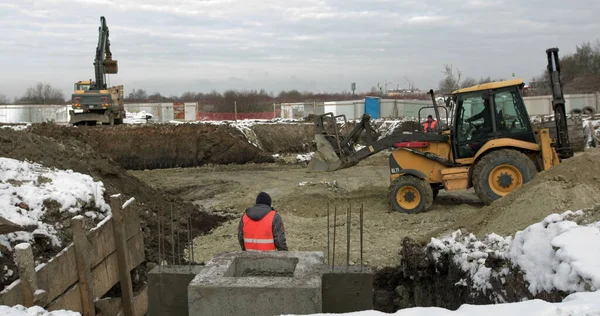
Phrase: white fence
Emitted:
{"points": [[36, 113], [353, 109], [389, 108]]}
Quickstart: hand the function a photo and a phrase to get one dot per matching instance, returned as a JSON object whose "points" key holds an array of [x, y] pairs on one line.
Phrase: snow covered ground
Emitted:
{"points": [[20, 310], [28, 191], [584, 304], [554, 254]]}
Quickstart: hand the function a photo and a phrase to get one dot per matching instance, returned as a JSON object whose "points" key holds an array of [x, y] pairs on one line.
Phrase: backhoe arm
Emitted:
{"points": [[563, 145]]}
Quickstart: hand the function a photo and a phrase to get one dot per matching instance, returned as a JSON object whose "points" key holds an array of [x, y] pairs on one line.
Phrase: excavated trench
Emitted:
{"points": [[421, 281]]}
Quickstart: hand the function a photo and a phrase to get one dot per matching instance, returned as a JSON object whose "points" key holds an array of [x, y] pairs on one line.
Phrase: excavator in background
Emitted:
{"points": [[490, 145], [94, 101]]}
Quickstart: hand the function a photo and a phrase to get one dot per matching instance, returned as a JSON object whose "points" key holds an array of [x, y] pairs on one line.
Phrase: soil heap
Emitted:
{"points": [[68, 153], [572, 185]]}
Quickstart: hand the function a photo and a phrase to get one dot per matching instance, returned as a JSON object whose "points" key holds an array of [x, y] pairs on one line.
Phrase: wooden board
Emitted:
{"points": [[101, 245], [112, 306], [104, 276]]}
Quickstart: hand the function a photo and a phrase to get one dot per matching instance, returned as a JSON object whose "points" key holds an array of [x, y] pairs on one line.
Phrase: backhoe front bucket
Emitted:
{"points": [[325, 158], [110, 66]]}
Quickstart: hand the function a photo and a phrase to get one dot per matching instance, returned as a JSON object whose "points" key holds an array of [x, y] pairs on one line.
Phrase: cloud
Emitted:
{"points": [[323, 44]]}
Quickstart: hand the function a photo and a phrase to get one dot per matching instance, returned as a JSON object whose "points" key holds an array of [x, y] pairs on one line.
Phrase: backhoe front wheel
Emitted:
{"points": [[500, 172], [409, 194]]}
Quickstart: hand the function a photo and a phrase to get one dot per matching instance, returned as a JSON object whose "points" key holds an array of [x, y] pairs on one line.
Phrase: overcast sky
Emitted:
{"points": [[180, 45]]}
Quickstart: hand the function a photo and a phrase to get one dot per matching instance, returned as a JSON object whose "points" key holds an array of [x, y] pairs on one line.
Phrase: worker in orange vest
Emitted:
{"points": [[430, 125], [261, 227]]}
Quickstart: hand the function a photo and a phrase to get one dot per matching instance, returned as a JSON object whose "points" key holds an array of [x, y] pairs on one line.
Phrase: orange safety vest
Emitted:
{"points": [[258, 235], [426, 126]]}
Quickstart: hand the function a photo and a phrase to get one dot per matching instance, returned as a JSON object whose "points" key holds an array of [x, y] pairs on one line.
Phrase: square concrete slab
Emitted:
{"points": [[258, 283], [347, 289]]}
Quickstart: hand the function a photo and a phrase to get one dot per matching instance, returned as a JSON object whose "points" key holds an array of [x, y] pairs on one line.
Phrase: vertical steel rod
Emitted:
{"points": [[334, 228], [189, 244], [348, 220], [178, 251], [159, 242], [328, 245], [192, 239], [172, 236], [361, 237]]}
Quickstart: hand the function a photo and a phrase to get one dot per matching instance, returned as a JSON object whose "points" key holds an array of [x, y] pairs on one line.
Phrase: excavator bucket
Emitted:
{"points": [[325, 158], [110, 66]]}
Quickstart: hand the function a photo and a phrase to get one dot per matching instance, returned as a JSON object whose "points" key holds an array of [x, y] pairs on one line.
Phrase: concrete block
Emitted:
{"points": [[167, 289], [347, 290], [258, 283]]}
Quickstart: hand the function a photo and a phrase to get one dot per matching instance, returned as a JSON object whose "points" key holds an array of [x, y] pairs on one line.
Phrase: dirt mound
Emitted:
{"points": [[285, 138], [572, 185], [70, 153], [164, 145]]}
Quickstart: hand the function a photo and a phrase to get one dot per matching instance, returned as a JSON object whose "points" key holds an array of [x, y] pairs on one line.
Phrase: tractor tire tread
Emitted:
{"points": [[421, 185], [484, 166]]}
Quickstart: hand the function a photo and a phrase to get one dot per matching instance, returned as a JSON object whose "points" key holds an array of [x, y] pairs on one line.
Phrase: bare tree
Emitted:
{"points": [[451, 80], [42, 93], [468, 82], [138, 95], [4, 99]]}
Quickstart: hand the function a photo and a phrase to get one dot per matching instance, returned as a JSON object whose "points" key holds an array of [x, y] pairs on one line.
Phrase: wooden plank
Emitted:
{"points": [[83, 266], [25, 263], [121, 245], [104, 275], [64, 264], [113, 305], [71, 300]]}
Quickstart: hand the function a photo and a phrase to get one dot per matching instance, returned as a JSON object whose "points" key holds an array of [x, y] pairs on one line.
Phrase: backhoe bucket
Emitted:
{"points": [[110, 66], [325, 158]]}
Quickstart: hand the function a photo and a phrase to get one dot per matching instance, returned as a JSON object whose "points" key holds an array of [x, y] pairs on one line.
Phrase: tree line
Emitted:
{"points": [[580, 74]]}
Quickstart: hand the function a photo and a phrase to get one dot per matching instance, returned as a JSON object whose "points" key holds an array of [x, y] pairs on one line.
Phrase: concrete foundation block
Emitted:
{"points": [[167, 289], [347, 290], [258, 283]]}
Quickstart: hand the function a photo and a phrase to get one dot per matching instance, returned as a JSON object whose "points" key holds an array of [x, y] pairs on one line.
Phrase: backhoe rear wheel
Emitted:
{"points": [[500, 172], [409, 194]]}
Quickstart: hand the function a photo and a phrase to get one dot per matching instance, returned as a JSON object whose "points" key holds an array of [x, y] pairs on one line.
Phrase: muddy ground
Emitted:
{"points": [[233, 188]]}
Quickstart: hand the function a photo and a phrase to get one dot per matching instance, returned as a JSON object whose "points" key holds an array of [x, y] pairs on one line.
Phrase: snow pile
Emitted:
{"points": [[29, 190], [574, 304], [20, 310], [470, 254], [19, 127], [137, 117], [247, 131], [304, 157], [332, 184], [554, 254], [558, 254]]}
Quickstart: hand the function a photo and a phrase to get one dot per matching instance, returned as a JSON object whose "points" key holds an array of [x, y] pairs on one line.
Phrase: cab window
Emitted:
{"points": [[511, 111]]}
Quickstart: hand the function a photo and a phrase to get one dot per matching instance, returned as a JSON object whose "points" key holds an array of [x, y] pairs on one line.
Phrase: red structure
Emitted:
{"points": [[230, 116]]}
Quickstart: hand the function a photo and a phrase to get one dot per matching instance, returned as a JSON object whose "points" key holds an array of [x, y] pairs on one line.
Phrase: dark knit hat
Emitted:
{"points": [[263, 198]]}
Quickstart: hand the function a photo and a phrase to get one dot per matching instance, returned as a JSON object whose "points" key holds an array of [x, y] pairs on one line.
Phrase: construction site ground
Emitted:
{"points": [[302, 198]]}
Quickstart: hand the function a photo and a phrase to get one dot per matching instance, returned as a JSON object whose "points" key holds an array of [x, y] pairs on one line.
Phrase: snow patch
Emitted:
{"points": [[20, 310], [304, 157], [26, 189], [574, 304], [554, 254]]}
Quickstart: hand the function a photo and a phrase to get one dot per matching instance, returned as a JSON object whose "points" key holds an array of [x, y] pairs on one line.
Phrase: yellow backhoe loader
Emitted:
{"points": [[489, 145]]}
